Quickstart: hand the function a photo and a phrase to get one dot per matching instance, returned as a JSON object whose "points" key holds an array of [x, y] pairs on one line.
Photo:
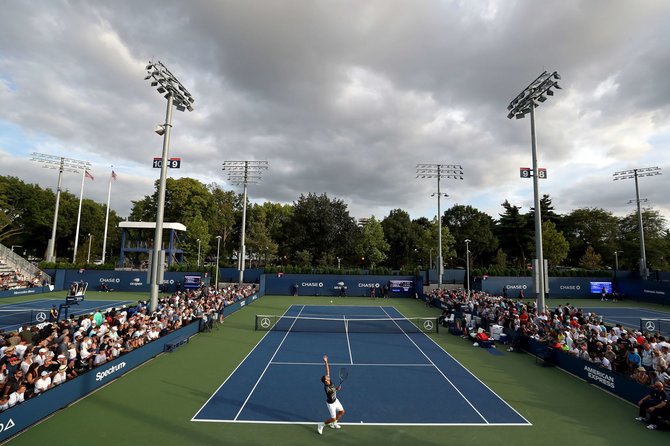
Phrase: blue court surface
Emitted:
{"points": [[399, 378], [629, 317], [13, 316]]}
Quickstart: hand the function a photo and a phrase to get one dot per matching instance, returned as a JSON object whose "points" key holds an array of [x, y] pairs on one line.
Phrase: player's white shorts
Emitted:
{"points": [[335, 407]]}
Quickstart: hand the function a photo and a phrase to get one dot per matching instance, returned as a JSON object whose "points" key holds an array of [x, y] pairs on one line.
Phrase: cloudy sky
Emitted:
{"points": [[344, 97]]}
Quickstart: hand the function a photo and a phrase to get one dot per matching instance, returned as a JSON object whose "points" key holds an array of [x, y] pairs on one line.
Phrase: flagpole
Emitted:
{"points": [[109, 196], [76, 234]]}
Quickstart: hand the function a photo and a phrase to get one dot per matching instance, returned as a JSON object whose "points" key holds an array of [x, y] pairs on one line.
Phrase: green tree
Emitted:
{"points": [[303, 258], [591, 259], [554, 246], [196, 229], [427, 239], [591, 226], [513, 234], [222, 220], [500, 260], [372, 244], [259, 244], [320, 226], [466, 222], [655, 239], [402, 239]]}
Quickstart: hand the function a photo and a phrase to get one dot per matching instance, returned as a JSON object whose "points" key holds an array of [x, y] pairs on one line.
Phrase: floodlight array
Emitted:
{"points": [[533, 94], [166, 83]]}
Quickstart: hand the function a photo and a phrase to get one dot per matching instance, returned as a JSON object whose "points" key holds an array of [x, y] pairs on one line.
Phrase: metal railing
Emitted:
{"points": [[20, 264]]}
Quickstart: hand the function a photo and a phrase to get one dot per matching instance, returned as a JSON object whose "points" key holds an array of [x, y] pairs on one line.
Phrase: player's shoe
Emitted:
{"points": [[319, 428], [336, 426]]}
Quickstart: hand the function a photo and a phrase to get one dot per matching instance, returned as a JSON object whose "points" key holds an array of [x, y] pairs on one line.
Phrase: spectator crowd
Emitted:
{"points": [[642, 357], [37, 358]]}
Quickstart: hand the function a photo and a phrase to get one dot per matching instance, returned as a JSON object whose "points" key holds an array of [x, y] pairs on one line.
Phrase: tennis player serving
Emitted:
{"points": [[335, 408]]}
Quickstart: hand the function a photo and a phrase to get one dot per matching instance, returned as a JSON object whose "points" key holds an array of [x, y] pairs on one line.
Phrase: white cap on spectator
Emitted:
{"points": [[45, 373]]}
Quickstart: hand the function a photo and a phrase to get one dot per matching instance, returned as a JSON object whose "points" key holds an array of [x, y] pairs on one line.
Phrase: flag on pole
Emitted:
{"points": [[113, 175], [88, 175]]}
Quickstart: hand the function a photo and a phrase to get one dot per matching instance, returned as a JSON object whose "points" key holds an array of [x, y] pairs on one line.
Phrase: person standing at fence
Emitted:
{"points": [[335, 409], [53, 314]]}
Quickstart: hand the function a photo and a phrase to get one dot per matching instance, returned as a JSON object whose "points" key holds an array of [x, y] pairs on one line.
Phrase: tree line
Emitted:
{"points": [[317, 230]]}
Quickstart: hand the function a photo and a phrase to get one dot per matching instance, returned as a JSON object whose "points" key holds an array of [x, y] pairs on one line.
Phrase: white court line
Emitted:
{"points": [[311, 423], [346, 331], [528, 423], [487, 424], [267, 366], [437, 368], [231, 374], [335, 364]]}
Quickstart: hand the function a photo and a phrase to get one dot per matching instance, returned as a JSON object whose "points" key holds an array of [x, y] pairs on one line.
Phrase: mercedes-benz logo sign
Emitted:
{"points": [[265, 322], [41, 316], [649, 325], [428, 325]]}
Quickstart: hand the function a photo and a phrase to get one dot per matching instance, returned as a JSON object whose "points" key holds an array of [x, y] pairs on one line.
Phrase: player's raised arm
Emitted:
{"points": [[325, 360]]}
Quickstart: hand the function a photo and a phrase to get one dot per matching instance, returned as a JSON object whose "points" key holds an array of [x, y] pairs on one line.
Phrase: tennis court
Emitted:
{"points": [[13, 316], [397, 374], [630, 317]]}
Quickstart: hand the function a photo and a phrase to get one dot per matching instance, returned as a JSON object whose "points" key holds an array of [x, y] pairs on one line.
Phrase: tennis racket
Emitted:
{"points": [[344, 374]]}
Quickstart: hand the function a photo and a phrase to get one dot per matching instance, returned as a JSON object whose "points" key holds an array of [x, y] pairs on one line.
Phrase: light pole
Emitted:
{"points": [[198, 254], [179, 97], [523, 104], [218, 246], [635, 173], [616, 260], [338, 262], [63, 165], [244, 172], [88, 258], [467, 264], [439, 171], [430, 254]]}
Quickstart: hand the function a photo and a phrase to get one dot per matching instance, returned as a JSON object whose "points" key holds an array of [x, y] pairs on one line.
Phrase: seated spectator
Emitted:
{"points": [[633, 359], [652, 405], [43, 383], [658, 361], [640, 376], [18, 396], [60, 376]]}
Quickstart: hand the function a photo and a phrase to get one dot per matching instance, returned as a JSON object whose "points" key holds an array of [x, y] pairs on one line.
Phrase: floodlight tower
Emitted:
{"points": [[63, 165], [177, 96], [523, 104], [439, 171], [635, 173], [244, 172]]}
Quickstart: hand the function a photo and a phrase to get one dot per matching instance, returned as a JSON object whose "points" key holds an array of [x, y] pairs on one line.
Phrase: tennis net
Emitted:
{"points": [[266, 322]]}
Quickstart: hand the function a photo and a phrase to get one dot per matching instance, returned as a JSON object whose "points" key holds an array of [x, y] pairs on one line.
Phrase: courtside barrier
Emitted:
{"points": [[613, 382], [24, 291], [22, 416]]}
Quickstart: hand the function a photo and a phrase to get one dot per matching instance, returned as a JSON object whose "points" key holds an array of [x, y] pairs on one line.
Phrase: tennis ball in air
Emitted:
{"points": [[331, 301]]}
